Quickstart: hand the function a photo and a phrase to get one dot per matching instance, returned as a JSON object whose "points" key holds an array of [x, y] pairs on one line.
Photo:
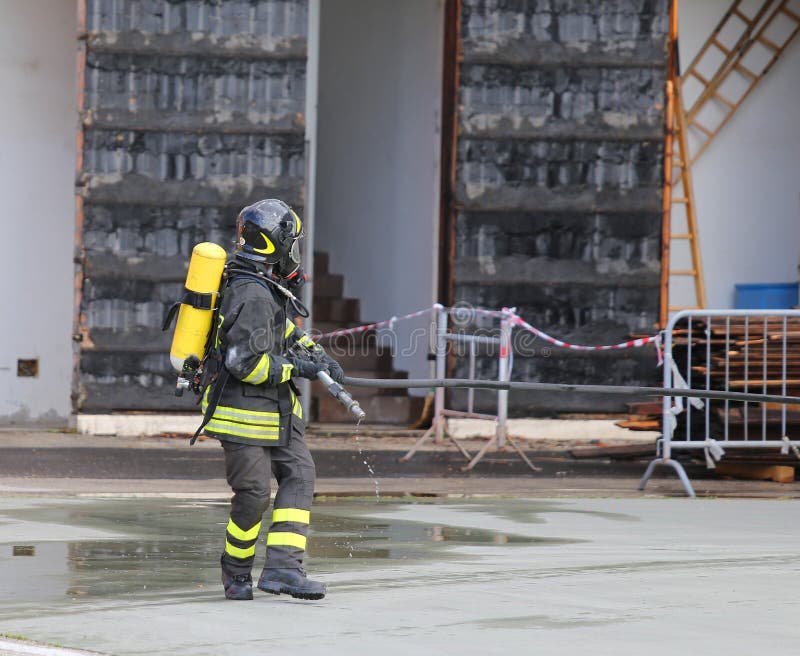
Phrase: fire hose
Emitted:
{"points": [[624, 390]]}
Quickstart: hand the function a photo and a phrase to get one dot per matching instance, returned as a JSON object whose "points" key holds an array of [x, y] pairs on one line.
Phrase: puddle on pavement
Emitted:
{"points": [[527, 622], [527, 512], [136, 550]]}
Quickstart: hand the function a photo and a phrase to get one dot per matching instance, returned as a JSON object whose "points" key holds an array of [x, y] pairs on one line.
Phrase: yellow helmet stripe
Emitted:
{"points": [[269, 247], [298, 224]]}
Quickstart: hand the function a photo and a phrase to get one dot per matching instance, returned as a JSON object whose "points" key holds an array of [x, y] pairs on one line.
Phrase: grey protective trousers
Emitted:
{"points": [[248, 469]]}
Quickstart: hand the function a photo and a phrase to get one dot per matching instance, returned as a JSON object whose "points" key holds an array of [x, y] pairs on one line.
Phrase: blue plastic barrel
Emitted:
{"points": [[766, 296]]}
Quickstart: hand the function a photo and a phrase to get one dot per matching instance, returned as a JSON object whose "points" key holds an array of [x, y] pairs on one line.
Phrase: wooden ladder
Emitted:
{"points": [[739, 53], [682, 193]]}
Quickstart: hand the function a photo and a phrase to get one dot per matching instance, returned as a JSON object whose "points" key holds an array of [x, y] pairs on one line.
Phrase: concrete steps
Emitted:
{"points": [[338, 310], [358, 354], [328, 285]]}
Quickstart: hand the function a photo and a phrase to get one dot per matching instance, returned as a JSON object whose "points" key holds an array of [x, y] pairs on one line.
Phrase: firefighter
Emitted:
{"points": [[257, 415]]}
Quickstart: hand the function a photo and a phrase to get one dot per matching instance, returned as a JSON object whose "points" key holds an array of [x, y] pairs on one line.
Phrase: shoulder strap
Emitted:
{"points": [[195, 299], [214, 395]]}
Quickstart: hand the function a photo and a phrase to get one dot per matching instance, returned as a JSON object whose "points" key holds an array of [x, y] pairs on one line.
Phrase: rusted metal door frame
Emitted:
{"points": [[78, 323], [447, 208]]}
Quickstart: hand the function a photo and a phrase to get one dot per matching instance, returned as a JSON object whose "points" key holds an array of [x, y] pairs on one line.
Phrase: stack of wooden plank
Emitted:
{"points": [[646, 415], [757, 355], [643, 416]]}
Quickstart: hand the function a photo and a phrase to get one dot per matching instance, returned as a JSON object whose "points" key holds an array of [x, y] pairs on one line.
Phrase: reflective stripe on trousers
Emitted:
{"points": [[248, 471]]}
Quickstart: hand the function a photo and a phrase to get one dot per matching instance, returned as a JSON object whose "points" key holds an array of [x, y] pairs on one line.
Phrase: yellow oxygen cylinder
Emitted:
{"points": [[194, 324]]}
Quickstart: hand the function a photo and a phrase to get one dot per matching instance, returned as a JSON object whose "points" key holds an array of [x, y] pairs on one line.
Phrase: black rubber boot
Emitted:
{"points": [[291, 581], [237, 586]]}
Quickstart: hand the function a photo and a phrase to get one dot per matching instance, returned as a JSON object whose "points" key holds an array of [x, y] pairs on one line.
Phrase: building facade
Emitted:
{"points": [[483, 152]]}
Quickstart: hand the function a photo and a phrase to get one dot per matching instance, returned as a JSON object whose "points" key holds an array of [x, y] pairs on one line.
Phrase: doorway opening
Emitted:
{"points": [[377, 175]]}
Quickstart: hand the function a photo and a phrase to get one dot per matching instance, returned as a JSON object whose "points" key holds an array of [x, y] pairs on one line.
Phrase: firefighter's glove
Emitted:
{"points": [[306, 368], [334, 369]]}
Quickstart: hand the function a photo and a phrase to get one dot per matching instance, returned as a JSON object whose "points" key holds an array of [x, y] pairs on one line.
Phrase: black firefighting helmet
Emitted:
{"points": [[269, 232]]}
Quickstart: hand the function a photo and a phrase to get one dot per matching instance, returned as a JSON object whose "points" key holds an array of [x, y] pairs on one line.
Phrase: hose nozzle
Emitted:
{"points": [[340, 394], [357, 412]]}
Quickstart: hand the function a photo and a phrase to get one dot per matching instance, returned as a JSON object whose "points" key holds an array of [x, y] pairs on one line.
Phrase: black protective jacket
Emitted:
{"points": [[257, 404]]}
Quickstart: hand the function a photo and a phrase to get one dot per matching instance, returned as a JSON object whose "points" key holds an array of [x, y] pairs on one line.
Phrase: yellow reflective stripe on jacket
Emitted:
{"points": [[244, 536], [297, 408], [242, 430], [217, 341], [286, 372], [305, 340], [236, 552], [247, 416], [286, 539], [297, 515], [260, 372]]}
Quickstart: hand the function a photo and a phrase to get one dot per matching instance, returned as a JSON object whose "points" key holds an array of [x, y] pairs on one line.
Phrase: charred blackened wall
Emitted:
{"points": [[190, 110], [558, 180]]}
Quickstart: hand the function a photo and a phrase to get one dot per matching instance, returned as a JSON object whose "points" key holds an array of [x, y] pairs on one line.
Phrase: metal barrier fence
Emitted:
{"points": [[503, 343], [728, 350]]}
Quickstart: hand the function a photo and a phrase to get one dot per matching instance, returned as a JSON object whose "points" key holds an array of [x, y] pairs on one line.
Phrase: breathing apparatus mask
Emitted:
{"points": [[268, 233]]}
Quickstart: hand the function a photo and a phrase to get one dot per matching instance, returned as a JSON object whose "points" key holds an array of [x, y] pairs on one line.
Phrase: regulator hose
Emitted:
{"points": [[623, 390]]}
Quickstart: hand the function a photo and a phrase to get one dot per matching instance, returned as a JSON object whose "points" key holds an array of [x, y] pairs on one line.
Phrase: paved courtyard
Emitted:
{"points": [[477, 576]]}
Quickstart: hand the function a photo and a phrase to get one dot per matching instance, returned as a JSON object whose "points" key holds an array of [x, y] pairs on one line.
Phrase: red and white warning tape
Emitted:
{"points": [[515, 320], [633, 343], [370, 326]]}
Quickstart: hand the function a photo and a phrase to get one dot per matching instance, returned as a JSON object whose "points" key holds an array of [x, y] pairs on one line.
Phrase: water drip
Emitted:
{"points": [[366, 462]]}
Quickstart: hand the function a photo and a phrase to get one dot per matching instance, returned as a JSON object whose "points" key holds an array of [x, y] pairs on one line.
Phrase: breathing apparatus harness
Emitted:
{"points": [[208, 376], [210, 373]]}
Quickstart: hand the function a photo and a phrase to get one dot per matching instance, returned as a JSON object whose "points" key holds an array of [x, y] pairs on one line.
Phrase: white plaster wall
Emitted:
{"points": [[747, 184], [37, 163], [378, 164]]}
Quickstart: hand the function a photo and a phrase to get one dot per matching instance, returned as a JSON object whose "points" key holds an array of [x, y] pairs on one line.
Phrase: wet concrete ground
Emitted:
{"points": [[482, 576]]}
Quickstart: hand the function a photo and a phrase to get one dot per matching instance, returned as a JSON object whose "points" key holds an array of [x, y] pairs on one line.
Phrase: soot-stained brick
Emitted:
{"points": [[590, 314], [171, 156], [191, 110], [555, 365], [216, 17], [595, 165], [562, 102], [139, 231], [557, 235], [559, 173], [262, 90], [562, 33]]}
